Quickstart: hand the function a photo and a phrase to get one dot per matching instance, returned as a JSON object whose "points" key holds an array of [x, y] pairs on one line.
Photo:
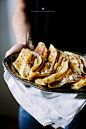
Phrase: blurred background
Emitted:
{"points": [[8, 105]]}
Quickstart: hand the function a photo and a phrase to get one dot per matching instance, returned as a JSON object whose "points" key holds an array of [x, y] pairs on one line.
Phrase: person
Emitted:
{"points": [[51, 23]]}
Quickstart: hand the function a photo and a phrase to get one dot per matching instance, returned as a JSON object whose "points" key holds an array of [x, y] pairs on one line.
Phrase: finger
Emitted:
{"points": [[29, 41], [14, 49], [30, 45]]}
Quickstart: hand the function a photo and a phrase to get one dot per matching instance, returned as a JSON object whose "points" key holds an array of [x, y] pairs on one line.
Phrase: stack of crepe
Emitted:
{"points": [[51, 67]]}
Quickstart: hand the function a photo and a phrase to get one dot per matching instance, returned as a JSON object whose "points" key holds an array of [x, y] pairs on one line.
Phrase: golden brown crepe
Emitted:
{"points": [[51, 67], [27, 62], [21, 62], [79, 84], [53, 77], [74, 63], [42, 50]]}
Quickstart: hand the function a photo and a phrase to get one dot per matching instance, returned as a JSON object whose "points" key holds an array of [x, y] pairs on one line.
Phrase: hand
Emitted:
{"points": [[15, 48]]}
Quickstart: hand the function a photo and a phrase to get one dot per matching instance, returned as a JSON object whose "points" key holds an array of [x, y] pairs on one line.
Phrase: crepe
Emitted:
{"points": [[27, 62], [51, 67], [53, 77], [79, 84], [21, 62]]}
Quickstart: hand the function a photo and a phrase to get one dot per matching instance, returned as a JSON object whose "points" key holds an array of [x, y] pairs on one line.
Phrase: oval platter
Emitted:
{"points": [[7, 63]]}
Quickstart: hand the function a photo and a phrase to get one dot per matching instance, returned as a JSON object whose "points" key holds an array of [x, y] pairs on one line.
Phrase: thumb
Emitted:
{"points": [[30, 45]]}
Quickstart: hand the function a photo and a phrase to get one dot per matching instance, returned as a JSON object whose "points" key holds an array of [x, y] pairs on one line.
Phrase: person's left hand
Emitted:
{"points": [[15, 48]]}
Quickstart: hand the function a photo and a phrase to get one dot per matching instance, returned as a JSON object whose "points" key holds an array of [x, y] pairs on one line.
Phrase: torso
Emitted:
{"points": [[63, 27]]}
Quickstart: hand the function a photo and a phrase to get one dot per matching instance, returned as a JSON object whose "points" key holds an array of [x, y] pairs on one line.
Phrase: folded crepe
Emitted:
{"points": [[51, 67]]}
